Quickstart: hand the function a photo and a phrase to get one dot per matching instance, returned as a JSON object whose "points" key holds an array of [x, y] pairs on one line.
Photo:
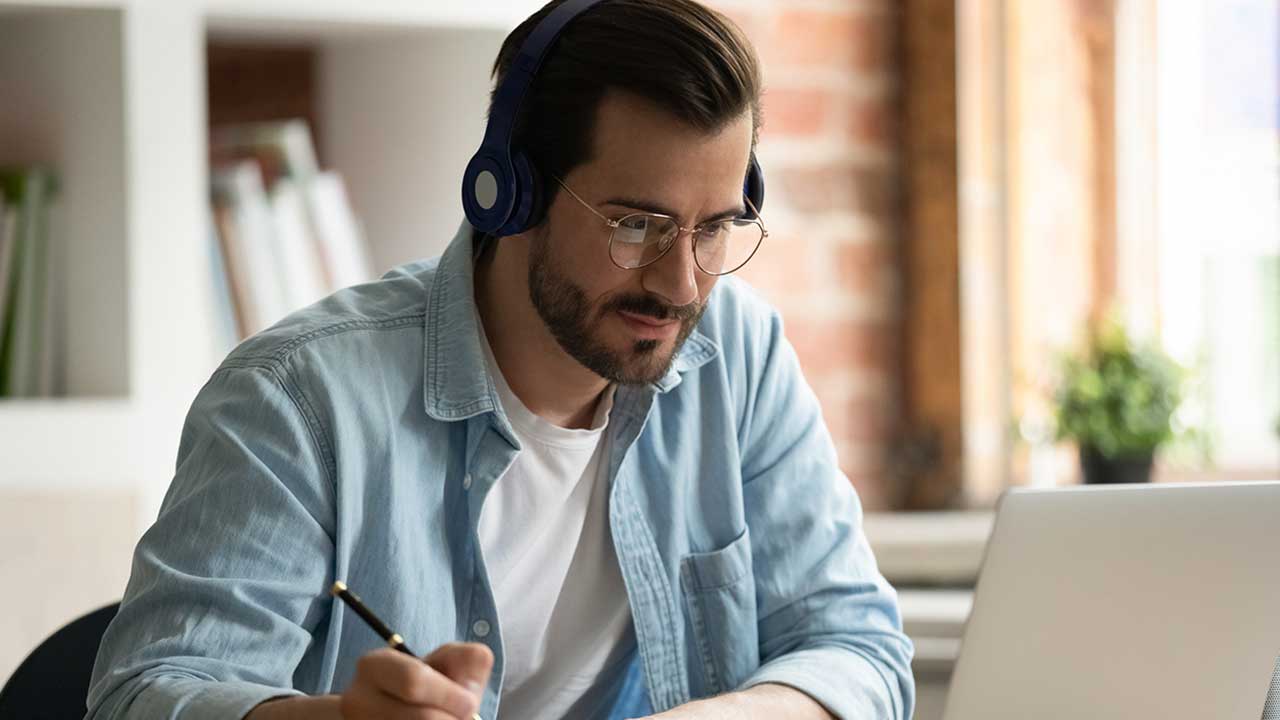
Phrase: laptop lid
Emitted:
{"points": [[1121, 602]]}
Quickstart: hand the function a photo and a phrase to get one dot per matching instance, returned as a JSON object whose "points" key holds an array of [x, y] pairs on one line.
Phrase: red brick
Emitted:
{"points": [[838, 186], [869, 420], [875, 490], [781, 268], [842, 346], [867, 269], [869, 123], [752, 23], [863, 423], [855, 40], [796, 111], [860, 459]]}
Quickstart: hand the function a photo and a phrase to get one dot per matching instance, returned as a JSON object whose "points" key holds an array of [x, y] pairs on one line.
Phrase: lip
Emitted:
{"points": [[648, 328]]}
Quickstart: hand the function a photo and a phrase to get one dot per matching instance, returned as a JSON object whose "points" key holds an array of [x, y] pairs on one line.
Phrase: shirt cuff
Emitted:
{"points": [[848, 684], [192, 699]]}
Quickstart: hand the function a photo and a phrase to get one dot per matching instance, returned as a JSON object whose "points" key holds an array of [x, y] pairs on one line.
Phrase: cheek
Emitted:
{"points": [[585, 262]]}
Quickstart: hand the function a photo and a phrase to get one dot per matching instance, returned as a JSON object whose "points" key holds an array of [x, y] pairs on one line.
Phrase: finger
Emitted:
{"points": [[409, 680], [370, 703], [468, 664]]}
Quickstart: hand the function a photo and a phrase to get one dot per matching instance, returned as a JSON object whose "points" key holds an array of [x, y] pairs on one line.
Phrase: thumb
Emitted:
{"points": [[467, 664]]}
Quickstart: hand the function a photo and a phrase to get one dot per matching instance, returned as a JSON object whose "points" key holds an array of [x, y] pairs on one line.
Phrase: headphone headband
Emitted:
{"points": [[501, 191], [519, 76]]}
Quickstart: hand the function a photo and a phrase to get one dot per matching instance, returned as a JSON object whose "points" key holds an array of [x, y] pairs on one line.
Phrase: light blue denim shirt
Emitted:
{"points": [[356, 441]]}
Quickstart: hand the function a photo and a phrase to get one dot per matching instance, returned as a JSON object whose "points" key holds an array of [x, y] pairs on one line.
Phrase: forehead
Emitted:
{"points": [[639, 147]]}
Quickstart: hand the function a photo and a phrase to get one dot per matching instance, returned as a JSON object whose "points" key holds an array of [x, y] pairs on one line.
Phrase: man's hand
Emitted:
{"points": [[389, 685], [764, 702]]}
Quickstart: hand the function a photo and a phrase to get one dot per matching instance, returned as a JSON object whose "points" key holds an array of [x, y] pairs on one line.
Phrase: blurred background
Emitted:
{"points": [[1015, 242]]}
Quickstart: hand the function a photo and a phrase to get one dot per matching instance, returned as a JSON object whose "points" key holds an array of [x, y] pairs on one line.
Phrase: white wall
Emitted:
{"points": [[402, 115]]}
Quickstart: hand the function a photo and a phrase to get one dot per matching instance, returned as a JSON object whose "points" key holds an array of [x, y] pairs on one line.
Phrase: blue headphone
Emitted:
{"points": [[501, 189]]}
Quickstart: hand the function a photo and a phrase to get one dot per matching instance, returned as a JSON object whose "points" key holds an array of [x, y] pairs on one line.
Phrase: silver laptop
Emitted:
{"points": [[1123, 602]]}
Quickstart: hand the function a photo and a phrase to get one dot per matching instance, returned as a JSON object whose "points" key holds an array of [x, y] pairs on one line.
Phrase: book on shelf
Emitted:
{"points": [[345, 257], [283, 149], [30, 297], [304, 281], [244, 223], [285, 228], [227, 329], [8, 245]]}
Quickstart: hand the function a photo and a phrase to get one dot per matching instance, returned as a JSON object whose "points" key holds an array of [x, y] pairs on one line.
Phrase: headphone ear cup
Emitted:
{"points": [[486, 193], [525, 212], [536, 193], [753, 188]]}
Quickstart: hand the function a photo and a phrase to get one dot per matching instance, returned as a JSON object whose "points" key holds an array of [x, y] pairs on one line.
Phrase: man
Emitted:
{"points": [[577, 460]]}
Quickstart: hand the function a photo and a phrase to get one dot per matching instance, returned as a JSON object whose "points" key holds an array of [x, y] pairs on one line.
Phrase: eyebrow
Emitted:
{"points": [[652, 207]]}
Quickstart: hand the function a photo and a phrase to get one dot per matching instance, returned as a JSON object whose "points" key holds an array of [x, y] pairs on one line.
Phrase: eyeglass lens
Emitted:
{"points": [[718, 248]]}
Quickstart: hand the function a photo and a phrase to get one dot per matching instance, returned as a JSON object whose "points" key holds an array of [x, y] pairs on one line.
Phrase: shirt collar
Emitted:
{"points": [[455, 382]]}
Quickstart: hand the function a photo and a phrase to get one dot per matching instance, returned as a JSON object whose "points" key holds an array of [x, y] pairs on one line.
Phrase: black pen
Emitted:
{"points": [[393, 639]]}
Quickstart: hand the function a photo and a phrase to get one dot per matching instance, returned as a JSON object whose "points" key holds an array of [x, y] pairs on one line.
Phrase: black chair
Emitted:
{"points": [[53, 682]]}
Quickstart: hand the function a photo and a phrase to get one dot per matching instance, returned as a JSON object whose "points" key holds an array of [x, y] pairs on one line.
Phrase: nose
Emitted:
{"points": [[674, 277]]}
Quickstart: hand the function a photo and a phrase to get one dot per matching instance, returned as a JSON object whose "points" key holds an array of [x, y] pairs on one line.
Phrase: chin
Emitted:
{"points": [[646, 361]]}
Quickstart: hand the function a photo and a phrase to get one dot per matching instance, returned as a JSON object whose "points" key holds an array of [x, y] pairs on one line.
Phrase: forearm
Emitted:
{"points": [[762, 702], [322, 707]]}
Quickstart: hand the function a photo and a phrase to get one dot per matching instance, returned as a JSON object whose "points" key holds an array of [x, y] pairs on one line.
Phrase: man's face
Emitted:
{"points": [[626, 325]]}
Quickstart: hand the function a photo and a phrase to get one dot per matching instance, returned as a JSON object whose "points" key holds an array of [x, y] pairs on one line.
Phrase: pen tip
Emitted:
{"points": [[338, 586]]}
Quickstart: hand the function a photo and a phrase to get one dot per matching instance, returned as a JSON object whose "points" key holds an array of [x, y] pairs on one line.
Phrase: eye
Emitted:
{"points": [[632, 230], [634, 222], [712, 233]]}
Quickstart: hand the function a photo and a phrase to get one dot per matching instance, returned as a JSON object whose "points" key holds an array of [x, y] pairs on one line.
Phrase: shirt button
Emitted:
{"points": [[480, 628], [466, 482]]}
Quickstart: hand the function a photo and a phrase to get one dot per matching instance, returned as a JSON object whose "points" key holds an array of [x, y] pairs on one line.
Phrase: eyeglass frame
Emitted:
{"points": [[680, 230]]}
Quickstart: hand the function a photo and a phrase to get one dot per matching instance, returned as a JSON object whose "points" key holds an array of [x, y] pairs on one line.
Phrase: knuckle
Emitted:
{"points": [[447, 650], [354, 704], [390, 671]]}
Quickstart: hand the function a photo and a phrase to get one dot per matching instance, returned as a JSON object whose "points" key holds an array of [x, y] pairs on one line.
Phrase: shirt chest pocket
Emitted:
{"points": [[720, 599]]}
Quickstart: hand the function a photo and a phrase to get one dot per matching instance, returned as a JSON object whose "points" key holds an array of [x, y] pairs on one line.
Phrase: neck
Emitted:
{"points": [[549, 381]]}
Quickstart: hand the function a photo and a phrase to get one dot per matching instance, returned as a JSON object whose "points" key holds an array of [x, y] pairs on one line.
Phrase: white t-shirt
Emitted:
{"points": [[544, 532]]}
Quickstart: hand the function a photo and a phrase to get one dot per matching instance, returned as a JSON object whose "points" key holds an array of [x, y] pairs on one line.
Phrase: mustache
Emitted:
{"points": [[653, 307]]}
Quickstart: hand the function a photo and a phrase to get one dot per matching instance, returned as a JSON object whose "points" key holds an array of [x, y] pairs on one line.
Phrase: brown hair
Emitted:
{"points": [[688, 59]]}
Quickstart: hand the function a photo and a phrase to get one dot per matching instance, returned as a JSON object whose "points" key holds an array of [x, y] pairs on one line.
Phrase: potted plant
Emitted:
{"points": [[1116, 401]]}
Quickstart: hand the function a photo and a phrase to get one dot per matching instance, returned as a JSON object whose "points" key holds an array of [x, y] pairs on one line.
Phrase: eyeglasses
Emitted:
{"points": [[719, 247]]}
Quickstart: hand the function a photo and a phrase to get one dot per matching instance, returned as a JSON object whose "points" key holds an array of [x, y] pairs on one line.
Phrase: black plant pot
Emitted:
{"points": [[1100, 469]]}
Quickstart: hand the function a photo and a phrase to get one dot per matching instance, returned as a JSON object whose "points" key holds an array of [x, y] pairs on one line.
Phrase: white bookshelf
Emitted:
{"points": [[111, 95], [62, 105], [104, 455]]}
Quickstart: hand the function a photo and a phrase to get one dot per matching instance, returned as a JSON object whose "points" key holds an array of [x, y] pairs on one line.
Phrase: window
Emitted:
{"points": [[1218, 219]]}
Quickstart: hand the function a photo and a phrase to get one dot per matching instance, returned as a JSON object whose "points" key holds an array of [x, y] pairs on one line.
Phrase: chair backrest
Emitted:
{"points": [[1271, 711], [53, 682]]}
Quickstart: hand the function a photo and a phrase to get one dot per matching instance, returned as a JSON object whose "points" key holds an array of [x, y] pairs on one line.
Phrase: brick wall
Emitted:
{"points": [[831, 166]]}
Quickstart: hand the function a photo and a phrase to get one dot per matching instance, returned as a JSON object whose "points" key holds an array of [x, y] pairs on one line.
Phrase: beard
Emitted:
{"points": [[576, 324]]}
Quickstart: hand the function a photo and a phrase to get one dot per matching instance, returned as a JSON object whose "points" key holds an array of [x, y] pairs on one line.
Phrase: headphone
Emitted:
{"points": [[501, 189]]}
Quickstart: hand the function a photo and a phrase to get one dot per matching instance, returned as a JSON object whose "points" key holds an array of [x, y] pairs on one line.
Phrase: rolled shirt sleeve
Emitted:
{"points": [[229, 581], [829, 623]]}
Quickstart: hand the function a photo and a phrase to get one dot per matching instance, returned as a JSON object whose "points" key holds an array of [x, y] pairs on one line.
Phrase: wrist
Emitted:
{"points": [[767, 700]]}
